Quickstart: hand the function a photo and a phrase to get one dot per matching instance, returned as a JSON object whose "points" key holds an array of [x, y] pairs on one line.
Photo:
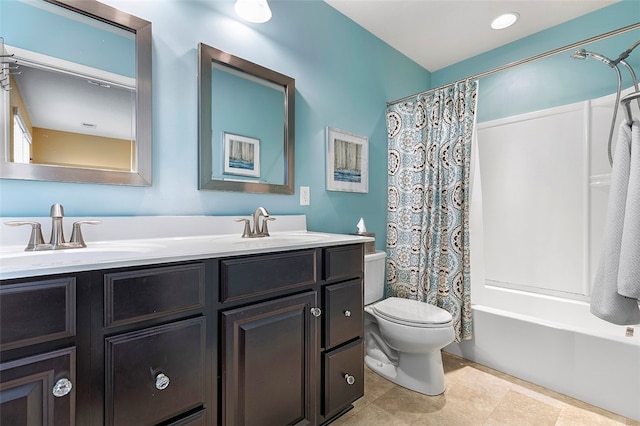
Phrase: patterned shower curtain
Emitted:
{"points": [[428, 207]]}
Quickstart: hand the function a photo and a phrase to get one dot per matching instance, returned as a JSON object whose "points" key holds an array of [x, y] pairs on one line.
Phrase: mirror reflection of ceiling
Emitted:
{"points": [[84, 41], [111, 113]]}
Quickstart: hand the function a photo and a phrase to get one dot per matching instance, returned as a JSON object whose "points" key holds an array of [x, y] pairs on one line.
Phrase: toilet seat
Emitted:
{"points": [[412, 312]]}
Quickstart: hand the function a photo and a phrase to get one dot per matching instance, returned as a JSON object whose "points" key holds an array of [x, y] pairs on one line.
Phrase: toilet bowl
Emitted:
{"points": [[403, 337]]}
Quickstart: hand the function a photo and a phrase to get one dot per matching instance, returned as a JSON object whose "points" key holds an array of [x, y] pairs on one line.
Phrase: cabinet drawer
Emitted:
{"points": [[343, 377], [37, 311], [27, 386], [135, 363], [253, 276], [151, 293], [196, 419], [344, 310], [343, 262]]}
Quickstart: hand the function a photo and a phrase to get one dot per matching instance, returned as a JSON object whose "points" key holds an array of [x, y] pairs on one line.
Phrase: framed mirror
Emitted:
{"points": [[246, 125], [76, 95]]}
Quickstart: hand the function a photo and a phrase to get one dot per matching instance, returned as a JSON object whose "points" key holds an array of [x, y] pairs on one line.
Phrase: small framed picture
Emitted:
{"points": [[241, 155], [347, 161]]}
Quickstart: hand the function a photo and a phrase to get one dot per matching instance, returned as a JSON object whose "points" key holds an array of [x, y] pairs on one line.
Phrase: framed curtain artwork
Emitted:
{"points": [[347, 161], [241, 155]]}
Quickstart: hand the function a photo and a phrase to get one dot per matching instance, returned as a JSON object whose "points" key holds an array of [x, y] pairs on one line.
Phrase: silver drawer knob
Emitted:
{"points": [[62, 387], [347, 313], [162, 381], [350, 379], [316, 312]]}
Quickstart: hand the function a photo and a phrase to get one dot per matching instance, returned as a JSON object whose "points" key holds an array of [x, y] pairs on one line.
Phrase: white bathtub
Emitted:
{"points": [[556, 343]]}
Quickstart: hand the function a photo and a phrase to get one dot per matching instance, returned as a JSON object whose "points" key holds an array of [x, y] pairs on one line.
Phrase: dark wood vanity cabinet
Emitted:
{"points": [[291, 340], [265, 339], [152, 344], [39, 339]]}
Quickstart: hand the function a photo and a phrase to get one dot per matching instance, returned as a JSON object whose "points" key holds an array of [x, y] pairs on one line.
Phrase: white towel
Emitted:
{"points": [[606, 302], [629, 273]]}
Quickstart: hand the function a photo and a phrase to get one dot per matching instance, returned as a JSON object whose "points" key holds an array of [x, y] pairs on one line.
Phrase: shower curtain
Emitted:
{"points": [[428, 200]]}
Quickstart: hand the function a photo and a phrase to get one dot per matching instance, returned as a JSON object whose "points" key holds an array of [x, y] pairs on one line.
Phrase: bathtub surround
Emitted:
{"points": [[616, 288], [428, 206]]}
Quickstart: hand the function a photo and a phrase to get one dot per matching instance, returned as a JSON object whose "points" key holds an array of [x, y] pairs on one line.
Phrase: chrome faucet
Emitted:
{"points": [[57, 241], [258, 230], [57, 233]]}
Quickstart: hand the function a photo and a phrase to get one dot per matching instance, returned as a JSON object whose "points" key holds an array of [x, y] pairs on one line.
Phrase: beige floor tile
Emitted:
{"points": [[452, 412], [455, 368], [475, 396], [571, 415], [405, 404], [374, 386], [486, 383], [371, 415], [521, 410]]}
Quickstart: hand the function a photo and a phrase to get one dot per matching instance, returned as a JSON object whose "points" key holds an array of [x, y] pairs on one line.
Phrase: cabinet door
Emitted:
{"points": [[269, 356], [38, 390]]}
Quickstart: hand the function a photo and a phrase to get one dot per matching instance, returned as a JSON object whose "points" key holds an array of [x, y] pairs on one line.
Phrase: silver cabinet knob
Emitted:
{"points": [[316, 312], [162, 381], [347, 313], [62, 387], [350, 379]]}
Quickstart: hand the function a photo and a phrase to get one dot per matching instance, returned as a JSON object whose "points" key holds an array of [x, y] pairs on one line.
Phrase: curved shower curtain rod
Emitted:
{"points": [[534, 58]]}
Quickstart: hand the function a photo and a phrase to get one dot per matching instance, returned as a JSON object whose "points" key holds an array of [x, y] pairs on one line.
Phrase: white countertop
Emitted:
{"points": [[135, 241]]}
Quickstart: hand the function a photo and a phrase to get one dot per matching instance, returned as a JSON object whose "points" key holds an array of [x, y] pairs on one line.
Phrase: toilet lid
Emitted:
{"points": [[412, 312]]}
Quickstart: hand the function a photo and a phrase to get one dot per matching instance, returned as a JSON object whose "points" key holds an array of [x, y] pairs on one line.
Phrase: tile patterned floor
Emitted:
{"points": [[475, 395]]}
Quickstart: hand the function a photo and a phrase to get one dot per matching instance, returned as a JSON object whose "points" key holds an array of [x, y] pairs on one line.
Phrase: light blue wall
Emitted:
{"points": [[344, 76], [556, 80]]}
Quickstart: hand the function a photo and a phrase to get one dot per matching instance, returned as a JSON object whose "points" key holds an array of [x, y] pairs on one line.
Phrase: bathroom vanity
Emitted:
{"points": [[214, 330]]}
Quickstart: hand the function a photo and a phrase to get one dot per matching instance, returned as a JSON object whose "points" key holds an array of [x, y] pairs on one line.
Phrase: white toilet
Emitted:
{"points": [[403, 337]]}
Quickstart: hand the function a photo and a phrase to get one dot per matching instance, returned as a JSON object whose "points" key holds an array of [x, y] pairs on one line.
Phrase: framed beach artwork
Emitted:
{"points": [[241, 155], [347, 161]]}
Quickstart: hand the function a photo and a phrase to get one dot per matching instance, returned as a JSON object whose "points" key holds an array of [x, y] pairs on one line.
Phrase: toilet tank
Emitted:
{"points": [[374, 277]]}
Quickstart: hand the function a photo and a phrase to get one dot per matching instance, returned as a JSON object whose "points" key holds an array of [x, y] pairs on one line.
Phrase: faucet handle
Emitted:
{"points": [[246, 233], [35, 238], [265, 229], [76, 233]]}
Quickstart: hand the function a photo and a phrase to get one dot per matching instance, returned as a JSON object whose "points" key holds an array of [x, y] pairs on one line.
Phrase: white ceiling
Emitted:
{"points": [[439, 33]]}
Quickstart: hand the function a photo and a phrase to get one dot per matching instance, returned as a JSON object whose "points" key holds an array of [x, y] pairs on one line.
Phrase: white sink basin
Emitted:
{"points": [[18, 258]]}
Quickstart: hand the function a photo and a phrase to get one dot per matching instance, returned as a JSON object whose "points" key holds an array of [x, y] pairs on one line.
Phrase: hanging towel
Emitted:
{"points": [[629, 273], [606, 302]]}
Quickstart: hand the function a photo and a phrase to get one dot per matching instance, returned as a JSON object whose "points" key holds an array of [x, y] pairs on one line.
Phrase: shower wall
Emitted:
{"points": [[545, 180]]}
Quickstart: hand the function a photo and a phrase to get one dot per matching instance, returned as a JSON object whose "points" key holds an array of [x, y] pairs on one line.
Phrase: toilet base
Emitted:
{"points": [[422, 373]]}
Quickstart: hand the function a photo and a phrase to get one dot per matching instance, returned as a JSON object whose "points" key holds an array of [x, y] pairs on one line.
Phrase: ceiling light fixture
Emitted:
{"points": [[505, 20], [256, 11]]}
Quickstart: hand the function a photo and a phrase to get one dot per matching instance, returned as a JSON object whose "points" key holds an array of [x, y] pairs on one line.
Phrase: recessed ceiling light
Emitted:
{"points": [[505, 20]]}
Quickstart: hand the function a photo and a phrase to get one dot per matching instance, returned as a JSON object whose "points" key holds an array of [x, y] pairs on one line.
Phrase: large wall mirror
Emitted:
{"points": [[246, 125], [76, 93]]}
